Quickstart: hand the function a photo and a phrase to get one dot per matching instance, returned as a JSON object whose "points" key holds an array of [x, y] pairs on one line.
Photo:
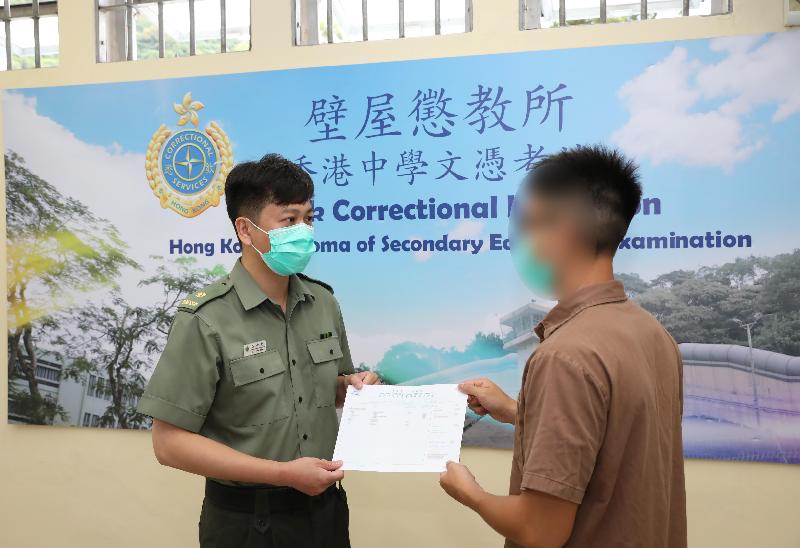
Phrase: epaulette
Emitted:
{"points": [[315, 281], [195, 300]]}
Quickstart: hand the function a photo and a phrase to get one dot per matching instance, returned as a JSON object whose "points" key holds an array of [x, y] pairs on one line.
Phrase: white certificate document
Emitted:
{"points": [[401, 428]]}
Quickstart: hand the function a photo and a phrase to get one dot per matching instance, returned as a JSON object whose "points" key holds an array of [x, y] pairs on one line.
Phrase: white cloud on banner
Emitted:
{"points": [[670, 120], [464, 229]]}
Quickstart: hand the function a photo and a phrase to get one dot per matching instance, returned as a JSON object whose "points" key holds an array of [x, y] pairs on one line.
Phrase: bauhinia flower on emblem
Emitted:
{"points": [[187, 167], [187, 109]]}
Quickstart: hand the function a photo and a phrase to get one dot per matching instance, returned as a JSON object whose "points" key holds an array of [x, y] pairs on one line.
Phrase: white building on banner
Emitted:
{"points": [[517, 328], [85, 400], [739, 385]]}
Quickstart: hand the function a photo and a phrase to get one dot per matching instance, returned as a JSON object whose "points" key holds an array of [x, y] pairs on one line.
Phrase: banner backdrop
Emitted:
{"points": [[115, 212]]}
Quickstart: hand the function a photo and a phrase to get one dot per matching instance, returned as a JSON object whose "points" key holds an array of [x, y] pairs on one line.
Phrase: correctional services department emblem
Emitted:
{"points": [[186, 167]]}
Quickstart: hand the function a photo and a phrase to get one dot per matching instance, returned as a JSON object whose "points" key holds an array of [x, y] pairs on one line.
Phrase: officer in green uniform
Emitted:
{"points": [[246, 390]]}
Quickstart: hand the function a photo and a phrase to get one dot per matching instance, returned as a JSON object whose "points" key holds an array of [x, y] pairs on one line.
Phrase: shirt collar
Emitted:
{"points": [[299, 288], [566, 309], [251, 295]]}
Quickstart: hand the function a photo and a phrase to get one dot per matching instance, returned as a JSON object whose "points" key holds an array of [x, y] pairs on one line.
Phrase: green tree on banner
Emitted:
{"points": [[122, 340], [706, 305], [57, 248]]}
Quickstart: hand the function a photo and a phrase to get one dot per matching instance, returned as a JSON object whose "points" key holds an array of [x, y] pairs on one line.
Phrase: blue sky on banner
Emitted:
{"points": [[714, 124]]}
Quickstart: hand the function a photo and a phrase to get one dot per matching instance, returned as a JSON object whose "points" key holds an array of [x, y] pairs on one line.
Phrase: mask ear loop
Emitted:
{"points": [[259, 228], [256, 249]]}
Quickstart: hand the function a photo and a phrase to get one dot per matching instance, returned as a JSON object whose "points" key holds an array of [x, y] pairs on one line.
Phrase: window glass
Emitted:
{"points": [[22, 44], [176, 28], [237, 25], [207, 27], [3, 56], [582, 12], [454, 15], [419, 17], [619, 11], [384, 19], [48, 40], [145, 22], [347, 21]]}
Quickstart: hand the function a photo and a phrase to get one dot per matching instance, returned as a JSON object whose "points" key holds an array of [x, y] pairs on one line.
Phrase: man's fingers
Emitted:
{"points": [[471, 388], [330, 465], [356, 382], [336, 475], [476, 405]]}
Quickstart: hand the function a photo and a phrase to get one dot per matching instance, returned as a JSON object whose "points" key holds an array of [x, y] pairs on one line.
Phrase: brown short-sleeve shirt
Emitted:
{"points": [[599, 422]]}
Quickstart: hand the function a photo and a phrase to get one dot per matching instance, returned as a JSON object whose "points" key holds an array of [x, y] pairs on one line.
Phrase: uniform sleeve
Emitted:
{"points": [[565, 421], [346, 363], [184, 382]]}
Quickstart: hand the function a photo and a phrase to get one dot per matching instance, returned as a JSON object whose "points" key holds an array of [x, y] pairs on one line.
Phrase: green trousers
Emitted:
{"points": [[322, 523]]}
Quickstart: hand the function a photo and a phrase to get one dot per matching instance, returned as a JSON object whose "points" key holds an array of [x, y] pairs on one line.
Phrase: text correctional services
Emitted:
{"points": [[422, 209]]}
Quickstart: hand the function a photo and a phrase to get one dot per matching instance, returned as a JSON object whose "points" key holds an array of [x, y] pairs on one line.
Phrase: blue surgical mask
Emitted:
{"points": [[291, 248]]}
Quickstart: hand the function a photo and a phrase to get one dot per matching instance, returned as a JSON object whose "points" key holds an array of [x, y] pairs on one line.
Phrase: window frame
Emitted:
{"points": [[297, 30], [35, 9], [526, 6], [129, 28]]}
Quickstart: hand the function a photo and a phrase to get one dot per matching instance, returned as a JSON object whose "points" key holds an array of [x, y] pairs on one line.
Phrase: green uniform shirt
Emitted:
{"points": [[238, 370]]}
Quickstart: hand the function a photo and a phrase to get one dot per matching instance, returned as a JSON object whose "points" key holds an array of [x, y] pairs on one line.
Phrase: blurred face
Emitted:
{"points": [[553, 228], [272, 216]]}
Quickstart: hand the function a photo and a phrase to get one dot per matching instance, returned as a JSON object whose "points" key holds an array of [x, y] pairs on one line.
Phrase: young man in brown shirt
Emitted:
{"points": [[598, 459]]}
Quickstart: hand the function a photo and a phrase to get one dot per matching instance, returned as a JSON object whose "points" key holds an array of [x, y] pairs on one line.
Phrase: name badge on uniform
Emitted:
{"points": [[257, 347]]}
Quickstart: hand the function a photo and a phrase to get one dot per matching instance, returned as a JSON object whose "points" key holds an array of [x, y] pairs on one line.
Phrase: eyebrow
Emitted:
{"points": [[290, 209]]}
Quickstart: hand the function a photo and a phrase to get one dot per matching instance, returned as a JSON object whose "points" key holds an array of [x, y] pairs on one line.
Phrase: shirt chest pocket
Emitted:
{"points": [[325, 353], [259, 389]]}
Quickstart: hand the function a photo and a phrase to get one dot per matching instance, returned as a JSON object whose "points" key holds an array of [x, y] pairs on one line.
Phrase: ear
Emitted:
{"points": [[243, 229]]}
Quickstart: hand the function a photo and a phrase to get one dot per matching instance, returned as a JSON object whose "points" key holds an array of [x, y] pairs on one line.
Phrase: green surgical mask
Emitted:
{"points": [[535, 274], [291, 248]]}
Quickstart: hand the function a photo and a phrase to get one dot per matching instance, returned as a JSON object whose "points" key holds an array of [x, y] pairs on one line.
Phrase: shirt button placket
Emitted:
{"points": [[295, 378]]}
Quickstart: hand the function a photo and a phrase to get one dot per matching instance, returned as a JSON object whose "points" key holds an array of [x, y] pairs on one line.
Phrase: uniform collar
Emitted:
{"points": [[299, 288], [566, 309], [251, 295]]}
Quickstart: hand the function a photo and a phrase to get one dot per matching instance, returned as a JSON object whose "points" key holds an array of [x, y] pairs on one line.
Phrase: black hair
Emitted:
{"points": [[604, 178], [271, 180]]}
